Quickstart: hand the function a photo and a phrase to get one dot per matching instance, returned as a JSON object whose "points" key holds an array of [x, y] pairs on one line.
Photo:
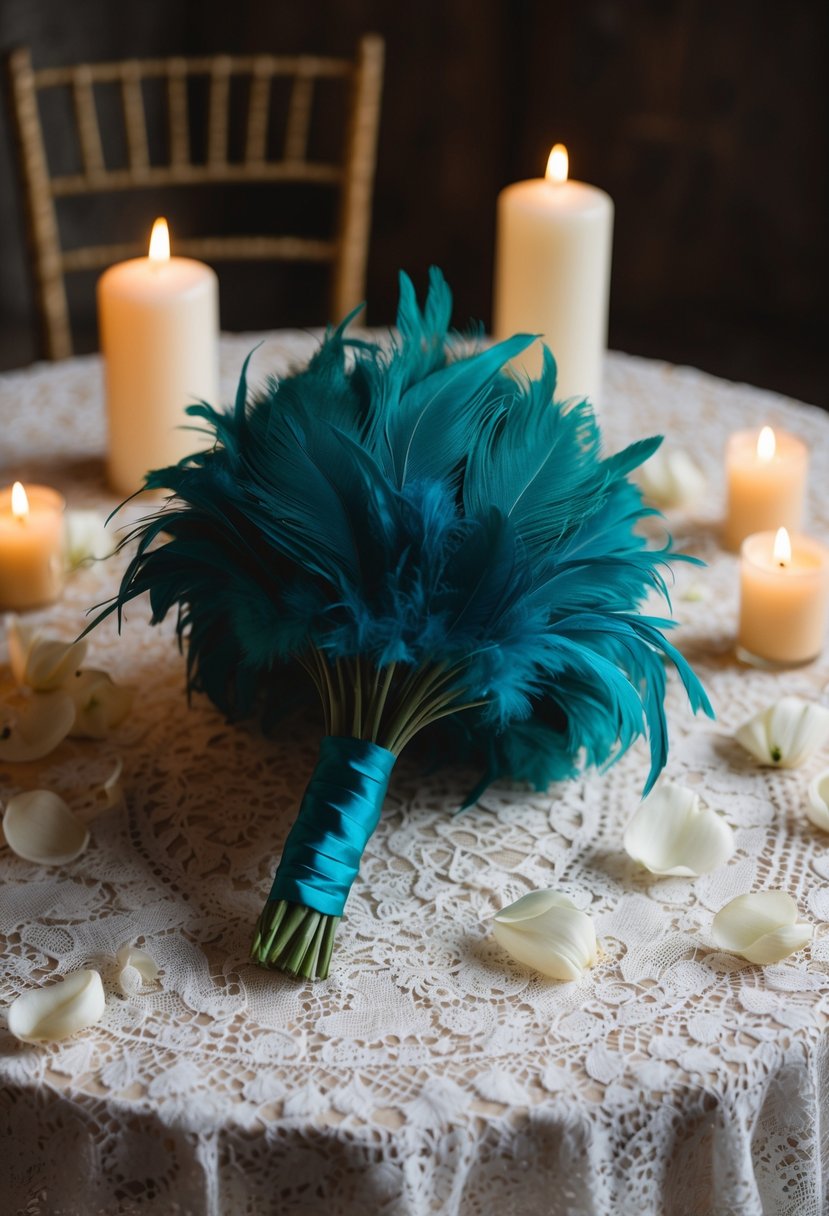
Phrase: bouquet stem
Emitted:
{"points": [[294, 939]]}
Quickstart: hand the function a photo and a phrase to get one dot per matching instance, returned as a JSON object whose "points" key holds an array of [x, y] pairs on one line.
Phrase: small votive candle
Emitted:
{"points": [[766, 475], [784, 598], [31, 546]]}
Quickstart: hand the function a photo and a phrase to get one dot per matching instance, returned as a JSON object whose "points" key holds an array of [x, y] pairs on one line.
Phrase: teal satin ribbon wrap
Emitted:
{"points": [[340, 810]]}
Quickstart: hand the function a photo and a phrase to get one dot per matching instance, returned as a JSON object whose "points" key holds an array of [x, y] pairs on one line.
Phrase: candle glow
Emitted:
{"points": [[20, 502], [782, 551], [558, 164], [160, 241], [766, 444]]}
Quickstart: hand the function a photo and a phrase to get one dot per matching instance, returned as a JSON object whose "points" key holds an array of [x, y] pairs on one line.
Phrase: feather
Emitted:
{"points": [[432, 426]]}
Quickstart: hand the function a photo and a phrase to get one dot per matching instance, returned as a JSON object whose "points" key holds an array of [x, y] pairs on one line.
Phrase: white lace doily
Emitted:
{"points": [[429, 1074]]}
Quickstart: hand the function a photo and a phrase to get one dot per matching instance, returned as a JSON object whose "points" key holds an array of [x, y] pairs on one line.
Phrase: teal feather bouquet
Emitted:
{"points": [[441, 552]]}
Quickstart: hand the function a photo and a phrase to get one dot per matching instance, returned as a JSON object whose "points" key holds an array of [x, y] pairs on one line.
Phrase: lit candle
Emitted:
{"points": [[159, 323], [766, 475], [31, 546], [784, 596], [552, 272]]}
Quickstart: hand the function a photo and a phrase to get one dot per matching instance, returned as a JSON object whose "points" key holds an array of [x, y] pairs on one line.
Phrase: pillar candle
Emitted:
{"points": [[159, 324], [784, 597], [552, 273], [766, 474], [31, 546]]}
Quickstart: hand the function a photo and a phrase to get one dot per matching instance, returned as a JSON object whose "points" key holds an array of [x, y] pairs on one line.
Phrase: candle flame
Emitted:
{"points": [[20, 503], [766, 444], [160, 241], [782, 551], [558, 164]]}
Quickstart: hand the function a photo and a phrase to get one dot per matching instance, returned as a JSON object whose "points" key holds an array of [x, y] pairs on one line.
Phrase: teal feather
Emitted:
{"points": [[409, 502], [431, 428]]}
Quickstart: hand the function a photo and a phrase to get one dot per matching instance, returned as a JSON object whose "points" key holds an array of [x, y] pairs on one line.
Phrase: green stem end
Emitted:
{"points": [[294, 939]]}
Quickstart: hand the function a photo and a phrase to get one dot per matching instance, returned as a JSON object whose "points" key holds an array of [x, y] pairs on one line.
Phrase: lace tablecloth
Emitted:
{"points": [[429, 1074]]}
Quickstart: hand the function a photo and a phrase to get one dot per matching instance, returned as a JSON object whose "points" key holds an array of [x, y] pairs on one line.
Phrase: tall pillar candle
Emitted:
{"points": [[766, 474], [159, 324], [552, 273]]}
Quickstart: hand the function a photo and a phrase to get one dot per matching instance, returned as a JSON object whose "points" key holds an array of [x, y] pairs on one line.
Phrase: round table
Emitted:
{"points": [[429, 1073]]}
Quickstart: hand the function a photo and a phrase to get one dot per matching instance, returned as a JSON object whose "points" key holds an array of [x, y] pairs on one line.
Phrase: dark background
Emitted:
{"points": [[706, 121]]}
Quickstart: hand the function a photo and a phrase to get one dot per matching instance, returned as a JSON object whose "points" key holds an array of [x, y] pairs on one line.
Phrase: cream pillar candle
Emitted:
{"points": [[766, 475], [159, 323], [31, 546], [552, 273], [784, 597]]}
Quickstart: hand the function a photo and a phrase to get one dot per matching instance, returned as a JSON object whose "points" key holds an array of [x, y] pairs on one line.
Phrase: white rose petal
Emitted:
{"points": [[37, 727], [39, 827], [673, 832], [58, 1010], [19, 639], [546, 931], [112, 789], [40, 663], [817, 808], [762, 927], [87, 537], [141, 961], [100, 703], [786, 733], [670, 478], [694, 593]]}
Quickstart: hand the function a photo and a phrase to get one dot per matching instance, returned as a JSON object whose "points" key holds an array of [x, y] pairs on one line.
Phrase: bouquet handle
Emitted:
{"points": [[340, 809]]}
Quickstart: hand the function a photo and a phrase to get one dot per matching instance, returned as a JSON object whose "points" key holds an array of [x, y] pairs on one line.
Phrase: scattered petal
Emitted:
{"points": [[817, 808], [100, 703], [139, 960], [40, 827], [670, 478], [74, 1003], [546, 931], [40, 663], [87, 538], [112, 789], [786, 733], [762, 927], [19, 638], [673, 832], [694, 593], [37, 727]]}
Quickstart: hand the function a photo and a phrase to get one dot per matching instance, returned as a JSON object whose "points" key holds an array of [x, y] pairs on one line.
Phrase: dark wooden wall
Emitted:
{"points": [[707, 122]]}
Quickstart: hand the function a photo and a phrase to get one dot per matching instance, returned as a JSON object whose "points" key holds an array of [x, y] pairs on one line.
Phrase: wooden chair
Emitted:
{"points": [[347, 253]]}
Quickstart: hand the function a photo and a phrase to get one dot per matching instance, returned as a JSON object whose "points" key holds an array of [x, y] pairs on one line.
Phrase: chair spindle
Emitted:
{"points": [[256, 141], [218, 113], [86, 116], [134, 120], [299, 118], [178, 112]]}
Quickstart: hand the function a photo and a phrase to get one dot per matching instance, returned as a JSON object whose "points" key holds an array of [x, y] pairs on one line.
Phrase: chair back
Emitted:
{"points": [[352, 175]]}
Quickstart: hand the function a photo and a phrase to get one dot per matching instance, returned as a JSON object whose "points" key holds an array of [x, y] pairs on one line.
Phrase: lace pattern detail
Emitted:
{"points": [[429, 1074]]}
